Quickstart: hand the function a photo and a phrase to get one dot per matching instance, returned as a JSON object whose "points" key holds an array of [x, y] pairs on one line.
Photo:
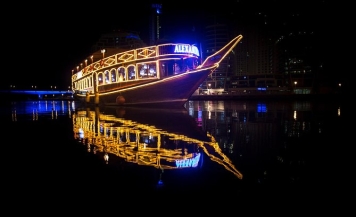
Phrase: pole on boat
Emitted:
{"points": [[96, 99], [87, 97]]}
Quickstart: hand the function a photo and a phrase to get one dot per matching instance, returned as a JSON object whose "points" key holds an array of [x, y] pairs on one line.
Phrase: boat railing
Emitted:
{"points": [[133, 62], [168, 51]]}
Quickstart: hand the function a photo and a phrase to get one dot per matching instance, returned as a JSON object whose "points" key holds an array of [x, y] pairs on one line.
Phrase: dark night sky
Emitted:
{"points": [[44, 42]]}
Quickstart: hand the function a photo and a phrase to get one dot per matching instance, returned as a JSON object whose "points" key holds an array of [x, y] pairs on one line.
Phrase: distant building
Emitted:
{"points": [[155, 24], [279, 49], [216, 36]]}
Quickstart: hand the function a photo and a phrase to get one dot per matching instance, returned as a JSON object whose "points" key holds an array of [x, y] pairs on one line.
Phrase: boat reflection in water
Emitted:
{"points": [[282, 148], [160, 138]]}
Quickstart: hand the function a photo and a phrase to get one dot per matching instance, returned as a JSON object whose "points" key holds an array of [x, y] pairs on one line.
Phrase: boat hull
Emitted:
{"points": [[168, 92]]}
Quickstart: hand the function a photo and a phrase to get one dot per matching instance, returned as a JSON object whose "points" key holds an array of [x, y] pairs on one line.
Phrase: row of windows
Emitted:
{"points": [[140, 71]]}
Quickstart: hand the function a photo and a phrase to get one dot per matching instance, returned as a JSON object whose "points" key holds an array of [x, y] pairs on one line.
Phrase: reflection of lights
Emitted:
{"points": [[160, 182], [14, 118], [261, 108], [295, 115], [338, 111], [106, 158], [39, 108], [192, 162], [127, 141], [34, 115], [81, 133], [73, 105]]}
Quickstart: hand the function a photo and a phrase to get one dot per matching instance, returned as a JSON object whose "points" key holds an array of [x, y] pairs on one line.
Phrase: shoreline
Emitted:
{"points": [[264, 96], [248, 96]]}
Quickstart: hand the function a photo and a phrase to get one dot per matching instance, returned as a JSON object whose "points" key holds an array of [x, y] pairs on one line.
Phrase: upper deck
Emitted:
{"points": [[145, 54]]}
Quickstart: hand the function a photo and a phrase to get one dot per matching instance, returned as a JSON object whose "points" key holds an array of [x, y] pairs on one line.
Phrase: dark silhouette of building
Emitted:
{"points": [[155, 24], [118, 39], [282, 46], [216, 36]]}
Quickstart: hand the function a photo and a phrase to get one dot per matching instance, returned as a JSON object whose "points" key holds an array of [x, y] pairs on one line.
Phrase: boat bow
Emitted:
{"points": [[218, 56]]}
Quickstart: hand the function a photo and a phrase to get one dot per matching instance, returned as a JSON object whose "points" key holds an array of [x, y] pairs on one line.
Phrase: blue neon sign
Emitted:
{"points": [[186, 48], [191, 162]]}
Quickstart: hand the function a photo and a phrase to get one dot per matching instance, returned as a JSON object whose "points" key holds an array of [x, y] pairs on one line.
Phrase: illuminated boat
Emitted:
{"points": [[146, 140], [166, 74]]}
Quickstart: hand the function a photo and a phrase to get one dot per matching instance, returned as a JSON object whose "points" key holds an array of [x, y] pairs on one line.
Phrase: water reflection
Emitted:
{"points": [[214, 143], [161, 138], [31, 110], [272, 140]]}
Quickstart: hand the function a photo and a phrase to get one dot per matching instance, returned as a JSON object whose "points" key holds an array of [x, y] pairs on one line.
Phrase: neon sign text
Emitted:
{"points": [[186, 48], [192, 162]]}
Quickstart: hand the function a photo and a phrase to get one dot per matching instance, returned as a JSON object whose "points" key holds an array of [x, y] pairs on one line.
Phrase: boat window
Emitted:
{"points": [[173, 67], [147, 70], [184, 65], [190, 63], [107, 77], [176, 68], [163, 69], [131, 72], [169, 68], [122, 74], [113, 75], [100, 78]]}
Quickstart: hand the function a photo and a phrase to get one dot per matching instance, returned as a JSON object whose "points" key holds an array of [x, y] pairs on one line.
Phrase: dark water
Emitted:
{"points": [[217, 151]]}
